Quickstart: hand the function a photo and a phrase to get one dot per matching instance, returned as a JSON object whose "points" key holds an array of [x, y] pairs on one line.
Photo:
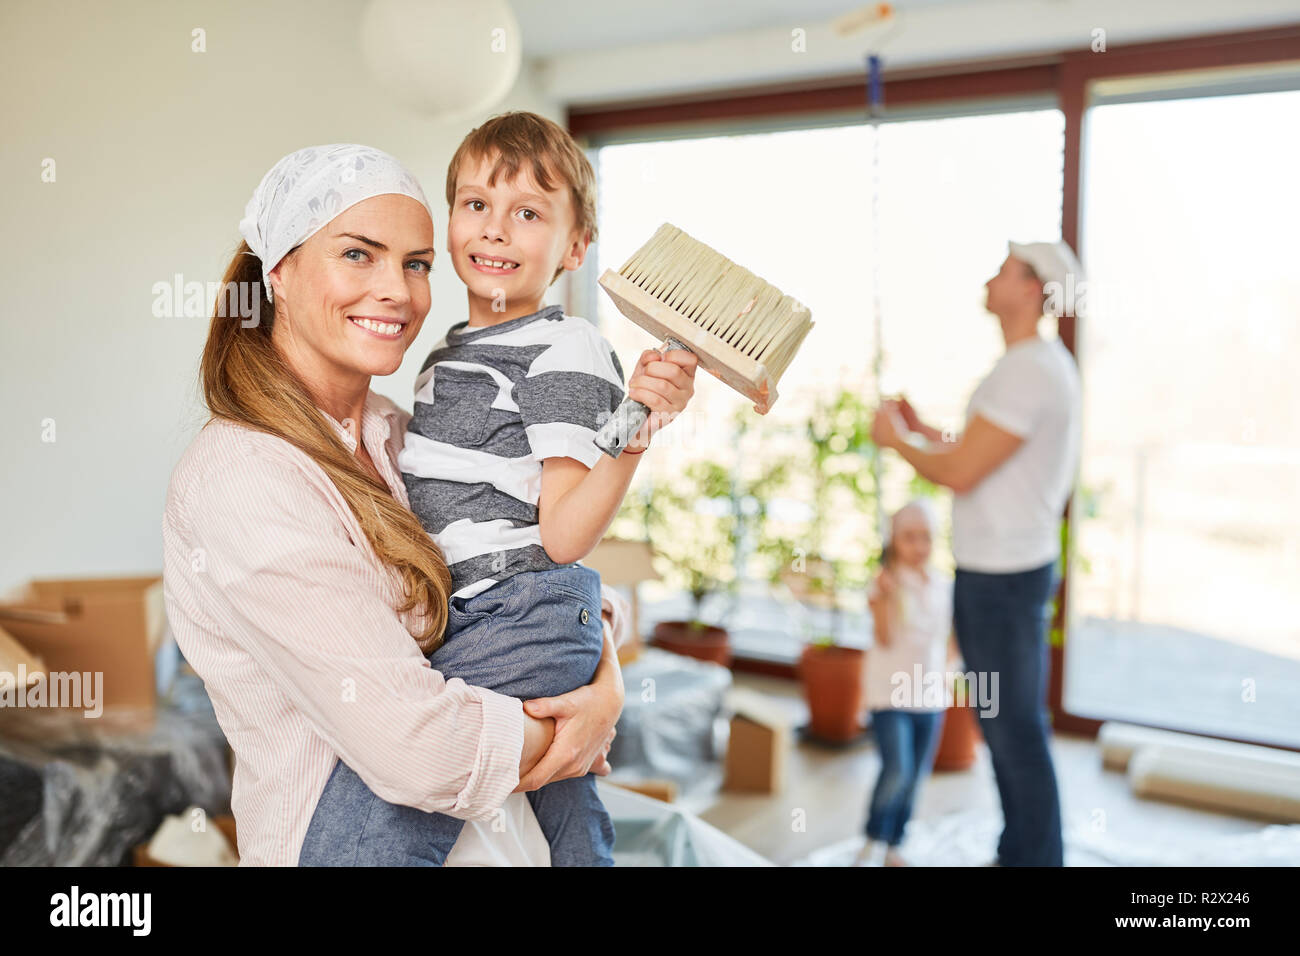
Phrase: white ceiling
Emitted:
{"points": [[555, 27], [602, 51]]}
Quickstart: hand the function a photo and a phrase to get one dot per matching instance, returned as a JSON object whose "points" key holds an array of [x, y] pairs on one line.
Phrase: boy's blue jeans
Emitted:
{"points": [[906, 741], [1001, 622], [536, 634]]}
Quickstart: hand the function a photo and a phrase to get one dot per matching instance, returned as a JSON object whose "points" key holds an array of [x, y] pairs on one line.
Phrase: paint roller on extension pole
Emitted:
{"points": [[743, 330]]}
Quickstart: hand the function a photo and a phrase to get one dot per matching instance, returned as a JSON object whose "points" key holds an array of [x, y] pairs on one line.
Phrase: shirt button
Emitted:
{"points": [[583, 616]]}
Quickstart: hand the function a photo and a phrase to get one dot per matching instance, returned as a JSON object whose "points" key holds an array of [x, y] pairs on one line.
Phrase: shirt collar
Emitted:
{"points": [[377, 420], [462, 332]]}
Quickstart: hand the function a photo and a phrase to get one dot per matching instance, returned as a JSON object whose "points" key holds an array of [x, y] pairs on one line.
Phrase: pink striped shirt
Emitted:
{"points": [[279, 603]]}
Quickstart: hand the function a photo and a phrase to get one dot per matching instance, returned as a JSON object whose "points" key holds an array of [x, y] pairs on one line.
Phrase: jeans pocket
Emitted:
{"points": [[575, 582]]}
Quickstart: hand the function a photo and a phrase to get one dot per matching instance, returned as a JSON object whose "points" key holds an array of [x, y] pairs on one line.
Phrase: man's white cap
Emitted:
{"points": [[1051, 261]]}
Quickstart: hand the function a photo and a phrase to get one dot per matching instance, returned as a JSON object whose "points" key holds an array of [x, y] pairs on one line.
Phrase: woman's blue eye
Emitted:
{"points": [[349, 251], [426, 267]]}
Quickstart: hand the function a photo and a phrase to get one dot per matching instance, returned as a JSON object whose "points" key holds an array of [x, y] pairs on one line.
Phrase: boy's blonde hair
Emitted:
{"points": [[520, 137]]}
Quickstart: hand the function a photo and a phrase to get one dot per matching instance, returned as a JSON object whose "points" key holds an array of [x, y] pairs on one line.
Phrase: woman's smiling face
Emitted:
{"points": [[351, 299]]}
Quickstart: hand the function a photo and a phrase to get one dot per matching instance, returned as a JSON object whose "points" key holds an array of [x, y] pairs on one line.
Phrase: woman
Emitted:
{"points": [[297, 582]]}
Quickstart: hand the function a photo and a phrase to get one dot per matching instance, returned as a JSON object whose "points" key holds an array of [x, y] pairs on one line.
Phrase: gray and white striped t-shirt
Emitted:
{"points": [[491, 403]]}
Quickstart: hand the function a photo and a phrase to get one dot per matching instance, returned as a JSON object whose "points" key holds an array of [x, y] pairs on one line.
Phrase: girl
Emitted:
{"points": [[911, 609]]}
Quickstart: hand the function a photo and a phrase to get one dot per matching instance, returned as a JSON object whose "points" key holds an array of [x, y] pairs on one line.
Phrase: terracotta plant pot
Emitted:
{"points": [[709, 643], [833, 687], [957, 740]]}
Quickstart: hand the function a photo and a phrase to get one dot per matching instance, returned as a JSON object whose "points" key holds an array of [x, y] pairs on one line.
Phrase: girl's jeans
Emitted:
{"points": [[906, 740]]}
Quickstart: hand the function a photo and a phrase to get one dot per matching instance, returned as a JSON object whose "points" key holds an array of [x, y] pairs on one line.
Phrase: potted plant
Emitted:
{"points": [[831, 553], [960, 734], [704, 527], [692, 531], [832, 676]]}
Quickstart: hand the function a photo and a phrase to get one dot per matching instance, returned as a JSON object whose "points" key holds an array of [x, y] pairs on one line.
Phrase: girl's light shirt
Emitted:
{"points": [[923, 624]]}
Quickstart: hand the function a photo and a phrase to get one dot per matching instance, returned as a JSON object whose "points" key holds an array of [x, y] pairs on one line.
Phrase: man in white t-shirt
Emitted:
{"points": [[1011, 470]]}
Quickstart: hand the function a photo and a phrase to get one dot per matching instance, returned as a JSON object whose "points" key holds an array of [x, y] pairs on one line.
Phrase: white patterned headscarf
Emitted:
{"points": [[306, 189]]}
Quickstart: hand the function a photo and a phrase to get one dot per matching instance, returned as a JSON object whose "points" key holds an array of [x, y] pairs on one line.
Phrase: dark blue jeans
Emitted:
{"points": [[906, 741], [535, 634], [1001, 622]]}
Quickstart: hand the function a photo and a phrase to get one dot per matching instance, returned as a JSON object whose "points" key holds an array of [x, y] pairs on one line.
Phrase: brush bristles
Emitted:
{"points": [[724, 299]]}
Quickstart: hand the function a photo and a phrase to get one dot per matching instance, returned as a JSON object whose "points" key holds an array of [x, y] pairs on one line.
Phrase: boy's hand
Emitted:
{"points": [[664, 383]]}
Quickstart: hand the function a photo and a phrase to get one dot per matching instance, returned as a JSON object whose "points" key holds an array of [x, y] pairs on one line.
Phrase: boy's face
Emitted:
{"points": [[529, 229]]}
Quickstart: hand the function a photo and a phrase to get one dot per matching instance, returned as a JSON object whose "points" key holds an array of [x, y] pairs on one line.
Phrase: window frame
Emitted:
{"points": [[1064, 79]]}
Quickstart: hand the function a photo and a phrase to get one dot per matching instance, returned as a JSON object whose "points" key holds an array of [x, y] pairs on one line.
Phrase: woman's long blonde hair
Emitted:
{"points": [[246, 380]]}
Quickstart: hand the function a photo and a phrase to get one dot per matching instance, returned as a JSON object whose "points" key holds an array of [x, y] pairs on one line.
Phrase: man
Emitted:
{"points": [[1011, 470]]}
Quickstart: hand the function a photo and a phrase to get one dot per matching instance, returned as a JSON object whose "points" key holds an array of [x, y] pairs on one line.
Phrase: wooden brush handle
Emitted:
{"points": [[628, 417]]}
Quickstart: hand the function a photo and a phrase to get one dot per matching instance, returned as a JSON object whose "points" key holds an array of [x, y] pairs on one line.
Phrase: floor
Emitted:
{"points": [[817, 819]]}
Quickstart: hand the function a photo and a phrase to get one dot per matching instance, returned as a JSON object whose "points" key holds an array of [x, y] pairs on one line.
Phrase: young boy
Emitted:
{"points": [[500, 465]]}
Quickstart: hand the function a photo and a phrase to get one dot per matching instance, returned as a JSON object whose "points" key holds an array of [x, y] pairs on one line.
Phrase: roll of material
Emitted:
{"points": [[1118, 742], [1262, 786]]}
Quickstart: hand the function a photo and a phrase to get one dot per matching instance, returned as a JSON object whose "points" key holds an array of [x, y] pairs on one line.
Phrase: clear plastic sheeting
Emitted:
{"points": [[970, 838], [667, 729], [78, 792], [649, 832]]}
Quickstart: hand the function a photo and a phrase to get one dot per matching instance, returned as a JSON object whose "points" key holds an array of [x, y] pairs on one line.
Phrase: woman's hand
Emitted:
{"points": [[584, 725], [664, 383]]}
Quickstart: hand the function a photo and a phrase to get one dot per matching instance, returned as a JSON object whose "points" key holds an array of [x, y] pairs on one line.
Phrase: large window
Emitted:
{"points": [[796, 207], [1185, 600]]}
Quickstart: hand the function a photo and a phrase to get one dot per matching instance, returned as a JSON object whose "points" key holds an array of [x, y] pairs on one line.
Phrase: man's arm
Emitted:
{"points": [[959, 465]]}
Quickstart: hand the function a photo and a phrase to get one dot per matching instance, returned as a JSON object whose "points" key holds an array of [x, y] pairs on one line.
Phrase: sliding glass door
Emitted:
{"points": [[1185, 597]]}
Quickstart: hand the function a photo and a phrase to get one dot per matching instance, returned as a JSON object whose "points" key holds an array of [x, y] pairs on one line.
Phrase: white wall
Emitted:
{"points": [[157, 149]]}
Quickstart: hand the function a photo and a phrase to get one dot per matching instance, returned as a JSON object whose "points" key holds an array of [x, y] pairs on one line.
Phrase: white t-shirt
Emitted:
{"points": [[924, 622], [1011, 521]]}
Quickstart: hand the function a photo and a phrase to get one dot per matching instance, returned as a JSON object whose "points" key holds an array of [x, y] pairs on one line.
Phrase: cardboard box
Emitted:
{"points": [[108, 626], [663, 790], [759, 748], [16, 662]]}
